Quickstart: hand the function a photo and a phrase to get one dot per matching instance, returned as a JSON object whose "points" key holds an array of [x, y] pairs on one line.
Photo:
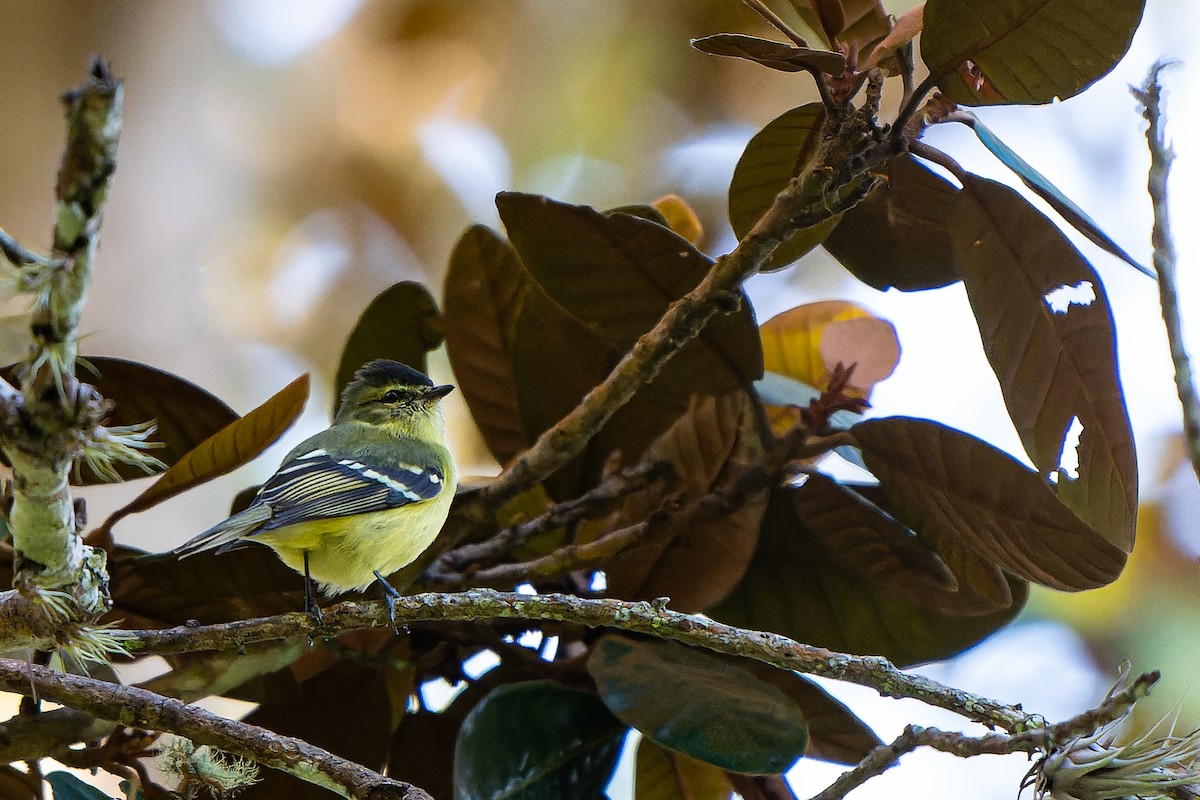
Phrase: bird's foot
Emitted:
{"points": [[390, 596]]}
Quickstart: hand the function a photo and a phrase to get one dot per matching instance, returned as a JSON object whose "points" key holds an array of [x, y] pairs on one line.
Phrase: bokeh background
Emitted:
{"points": [[283, 161]]}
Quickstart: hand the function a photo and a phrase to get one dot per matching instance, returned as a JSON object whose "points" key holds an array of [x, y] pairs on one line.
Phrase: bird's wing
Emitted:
{"points": [[317, 485]]}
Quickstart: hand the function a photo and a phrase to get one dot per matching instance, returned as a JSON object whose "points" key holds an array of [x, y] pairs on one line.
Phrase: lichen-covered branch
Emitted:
{"points": [[639, 617], [131, 706], [1161, 156], [52, 419]]}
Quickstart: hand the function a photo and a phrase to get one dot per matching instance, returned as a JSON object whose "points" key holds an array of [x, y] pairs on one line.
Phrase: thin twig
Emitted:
{"points": [[1041, 738], [1161, 156], [764, 11], [130, 705], [638, 617], [598, 500], [20, 256]]}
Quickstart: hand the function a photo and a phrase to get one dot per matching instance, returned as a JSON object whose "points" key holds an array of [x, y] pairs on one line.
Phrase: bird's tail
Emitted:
{"points": [[228, 532]]}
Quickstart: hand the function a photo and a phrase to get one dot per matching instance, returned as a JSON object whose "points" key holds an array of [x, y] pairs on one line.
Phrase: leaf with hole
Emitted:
{"points": [[775, 155], [940, 479], [1056, 367], [536, 740], [899, 235], [984, 52], [794, 587], [776, 55], [485, 286], [402, 324], [698, 704]]}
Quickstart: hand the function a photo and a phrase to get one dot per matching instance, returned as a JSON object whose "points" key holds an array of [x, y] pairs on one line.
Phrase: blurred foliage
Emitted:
{"points": [[545, 293]]}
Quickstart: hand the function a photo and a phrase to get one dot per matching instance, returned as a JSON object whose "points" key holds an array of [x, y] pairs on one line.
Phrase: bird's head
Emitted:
{"points": [[393, 396]]}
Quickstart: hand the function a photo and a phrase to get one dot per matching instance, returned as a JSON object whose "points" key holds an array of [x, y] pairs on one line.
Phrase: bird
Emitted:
{"points": [[359, 500]]}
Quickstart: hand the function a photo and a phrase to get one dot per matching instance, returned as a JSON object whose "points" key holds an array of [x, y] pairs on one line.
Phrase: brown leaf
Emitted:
{"points": [[696, 559], [402, 323], [485, 286], [343, 709], [943, 480], [858, 530], [238, 443], [1054, 366], [899, 235], [776, 55], [794, 588], [860, 538], [903, 31]]}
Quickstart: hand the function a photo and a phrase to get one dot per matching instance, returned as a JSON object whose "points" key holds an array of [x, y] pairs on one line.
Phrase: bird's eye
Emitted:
{"points": [[391, 396]]}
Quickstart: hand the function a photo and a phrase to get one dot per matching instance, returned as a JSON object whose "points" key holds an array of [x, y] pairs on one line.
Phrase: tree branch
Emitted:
{"points": [[131, 706], [54, 418], [640, 617], [836, 190], [1042, 738], [1161, 156]]}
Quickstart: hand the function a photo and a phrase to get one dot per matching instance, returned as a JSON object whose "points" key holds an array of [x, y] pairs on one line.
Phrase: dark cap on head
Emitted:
{"points": [[382, 372]]}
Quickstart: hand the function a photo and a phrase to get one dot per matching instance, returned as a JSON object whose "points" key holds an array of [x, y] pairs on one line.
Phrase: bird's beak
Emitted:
{"points": [[438, 392]]}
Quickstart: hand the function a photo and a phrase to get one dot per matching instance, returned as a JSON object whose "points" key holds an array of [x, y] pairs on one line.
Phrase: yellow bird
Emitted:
{"points": [[361, 499]]}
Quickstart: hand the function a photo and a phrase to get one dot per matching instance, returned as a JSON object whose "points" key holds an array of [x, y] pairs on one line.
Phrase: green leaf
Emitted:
{"points": [[1024, 51], [402, 323], [776, 55], [940, 479], [238, 443], [1054, 365], [700, 705], [536, 740], [67, 787], [1046, 190], [898, 236], [662, 774], [485, 287], [619, 273], [834, 732], [796, 588], [695, 560], [771, 159]]}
